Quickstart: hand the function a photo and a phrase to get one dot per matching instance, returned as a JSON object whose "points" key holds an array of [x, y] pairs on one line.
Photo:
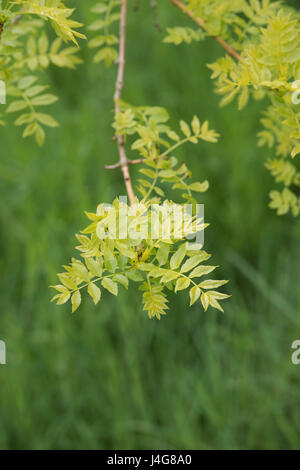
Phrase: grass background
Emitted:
{"points": [[107, 377]]}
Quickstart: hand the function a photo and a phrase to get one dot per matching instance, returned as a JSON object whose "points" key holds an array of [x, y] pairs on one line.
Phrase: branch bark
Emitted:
{"points": [[133, 162], [123, 161], [129, 162], [229, 49]]}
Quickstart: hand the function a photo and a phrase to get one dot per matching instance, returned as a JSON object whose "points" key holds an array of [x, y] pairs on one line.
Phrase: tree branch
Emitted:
{"points": [[17, 19], [129, 162], [153, 5], [229, 49], [134, 162], [123, 162]]}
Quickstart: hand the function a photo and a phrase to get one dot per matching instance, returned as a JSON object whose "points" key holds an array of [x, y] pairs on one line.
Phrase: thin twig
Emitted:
{"points": [[229, 49], [138, 161], [123, 162], [129, 162], [153, 4], [16, 20], [136, 5]]}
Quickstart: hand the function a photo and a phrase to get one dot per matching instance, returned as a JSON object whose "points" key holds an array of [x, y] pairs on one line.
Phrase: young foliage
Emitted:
{"points": [[179, 35], [157, 264], [105, 40], [26, 51], [262, 40], [144, 241], [152, 249], [56, 12]]}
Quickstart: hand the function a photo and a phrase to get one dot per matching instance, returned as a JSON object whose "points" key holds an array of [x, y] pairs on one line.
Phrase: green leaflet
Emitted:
{"points": [[94, 292], [195, 293], [211, 284], [154, 301], [201, 271], [110, 285], [191, 263], [179, 35], [123, 280], [177, 258], [67, 281], [105, 29], [163, 254], [76, 300], [95, 266], [182, 284], [211, 298]]}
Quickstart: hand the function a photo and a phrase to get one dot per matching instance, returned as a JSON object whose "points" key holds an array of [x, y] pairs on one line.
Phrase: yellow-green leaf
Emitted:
{"points": [[178, 256], [201, 271], [194, 294], [205, 301], [63, 298], [185, 129], [199, 187], [67, 281], [122, 280], [182, 283], [76, 300], [110, 285], [211, 284], [94, 292], [162, 253], [196, 125], [190, 263]]}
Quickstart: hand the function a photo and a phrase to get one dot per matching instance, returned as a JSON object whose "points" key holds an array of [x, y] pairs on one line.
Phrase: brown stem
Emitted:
{"points": [[13, 23], [123, 162], [129, 162], [17, 19], [229, 49], [153, 5]]}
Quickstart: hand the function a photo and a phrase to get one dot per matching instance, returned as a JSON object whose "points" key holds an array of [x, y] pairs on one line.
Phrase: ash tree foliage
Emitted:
{"points": [[126, 242], [108, 262], [262, 61], [114, 255], [25, 51], [158, 264]]}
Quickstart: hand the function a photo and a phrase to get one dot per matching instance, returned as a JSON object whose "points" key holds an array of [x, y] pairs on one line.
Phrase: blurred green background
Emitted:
{"points": [[108, 377]]}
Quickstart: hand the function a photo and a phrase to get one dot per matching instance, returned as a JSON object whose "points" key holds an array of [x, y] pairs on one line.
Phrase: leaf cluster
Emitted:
{"points": [[26, 51], [267, 35], [157, 264]]}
